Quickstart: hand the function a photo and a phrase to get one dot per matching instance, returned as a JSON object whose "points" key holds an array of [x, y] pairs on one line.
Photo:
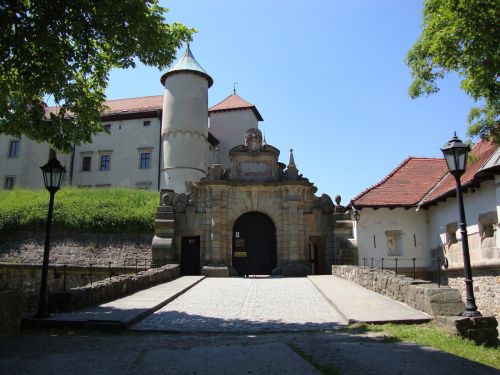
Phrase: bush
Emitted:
{"points": [[79, 209]]}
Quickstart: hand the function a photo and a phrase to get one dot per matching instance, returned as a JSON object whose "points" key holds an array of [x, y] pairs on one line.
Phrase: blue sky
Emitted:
{"points": [[328, 77]]}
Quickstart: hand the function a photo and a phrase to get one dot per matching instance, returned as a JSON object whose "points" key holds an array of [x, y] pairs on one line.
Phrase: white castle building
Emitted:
{"points": [[228, 206]]}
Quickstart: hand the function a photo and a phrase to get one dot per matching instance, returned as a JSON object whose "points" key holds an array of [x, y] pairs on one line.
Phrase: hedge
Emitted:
{"points": [[79, 209]]}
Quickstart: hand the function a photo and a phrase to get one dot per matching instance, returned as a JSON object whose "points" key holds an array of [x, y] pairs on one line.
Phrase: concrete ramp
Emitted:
{"points": [[360, 305], [122, 312]]}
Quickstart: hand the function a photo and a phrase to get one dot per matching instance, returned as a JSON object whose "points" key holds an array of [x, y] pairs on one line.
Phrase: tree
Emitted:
{"points": [[461, 36], [65, 49]]}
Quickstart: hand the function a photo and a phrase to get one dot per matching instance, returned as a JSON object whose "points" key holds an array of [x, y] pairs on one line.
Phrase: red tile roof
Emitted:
{"points": [[405, 186], [422, 181], [480, 153], [133, 105], [234, 102]]}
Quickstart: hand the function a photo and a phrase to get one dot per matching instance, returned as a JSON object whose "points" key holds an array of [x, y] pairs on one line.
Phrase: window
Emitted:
{"points": [[487, 226], [102, 186], [451, 233], [9, 182], [394, 243], [86, 162], [105, 162], [146, 123], [145, 160], [107, 127], [14, 149]]}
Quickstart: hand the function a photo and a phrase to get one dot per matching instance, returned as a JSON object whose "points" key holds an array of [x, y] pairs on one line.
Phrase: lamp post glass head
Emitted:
{"points": [[52, 174], [455, 153]]}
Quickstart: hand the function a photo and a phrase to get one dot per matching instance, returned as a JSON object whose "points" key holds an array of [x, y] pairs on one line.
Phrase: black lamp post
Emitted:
{"points": [[52, 177], [455, 153]]}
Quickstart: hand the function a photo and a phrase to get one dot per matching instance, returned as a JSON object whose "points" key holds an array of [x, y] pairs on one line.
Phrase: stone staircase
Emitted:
{"points": [[163, 245]]}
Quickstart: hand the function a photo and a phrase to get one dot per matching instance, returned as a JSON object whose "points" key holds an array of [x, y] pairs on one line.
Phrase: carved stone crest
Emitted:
{"points": [[253, 139], [180, 202]]}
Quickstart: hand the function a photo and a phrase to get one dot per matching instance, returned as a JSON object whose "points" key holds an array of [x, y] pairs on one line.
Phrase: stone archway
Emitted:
{"points": [[254, 244]]}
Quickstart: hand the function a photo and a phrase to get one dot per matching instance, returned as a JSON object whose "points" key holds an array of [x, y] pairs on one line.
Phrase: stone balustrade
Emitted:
{"points": [[420, 294], [111, 288]]}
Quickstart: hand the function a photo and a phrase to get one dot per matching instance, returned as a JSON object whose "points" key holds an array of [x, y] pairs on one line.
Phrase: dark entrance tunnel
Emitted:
{"points": [[254, 244]]}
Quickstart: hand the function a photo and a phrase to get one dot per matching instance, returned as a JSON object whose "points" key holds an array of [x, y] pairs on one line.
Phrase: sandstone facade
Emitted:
{"points": [[259, 190]]}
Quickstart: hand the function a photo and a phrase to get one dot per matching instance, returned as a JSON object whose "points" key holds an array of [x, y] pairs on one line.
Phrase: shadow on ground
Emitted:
{"points": [[175, 321]]}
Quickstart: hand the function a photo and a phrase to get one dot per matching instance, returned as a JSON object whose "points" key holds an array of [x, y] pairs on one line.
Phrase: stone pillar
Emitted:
{"points": [[216, 261], [296, 263], [163, 245]]}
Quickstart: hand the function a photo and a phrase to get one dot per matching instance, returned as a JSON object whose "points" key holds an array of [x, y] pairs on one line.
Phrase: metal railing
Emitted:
{"points": [[392, 264], [113, 269]]}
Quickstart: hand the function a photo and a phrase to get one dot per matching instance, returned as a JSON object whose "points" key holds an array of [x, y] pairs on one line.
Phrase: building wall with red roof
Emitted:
{"points": [[129, 141], [378, 229], [481, 209], [416, 205]]}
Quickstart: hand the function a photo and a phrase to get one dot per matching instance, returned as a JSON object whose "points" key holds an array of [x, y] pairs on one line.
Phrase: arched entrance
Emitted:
{"points": [[254, 244]]}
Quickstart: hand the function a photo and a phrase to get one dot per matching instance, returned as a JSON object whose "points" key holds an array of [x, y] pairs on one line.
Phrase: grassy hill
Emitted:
{"points": [[82, 210]]}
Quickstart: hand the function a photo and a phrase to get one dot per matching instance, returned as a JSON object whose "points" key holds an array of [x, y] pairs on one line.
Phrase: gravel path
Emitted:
{"points": [[246, 305]]}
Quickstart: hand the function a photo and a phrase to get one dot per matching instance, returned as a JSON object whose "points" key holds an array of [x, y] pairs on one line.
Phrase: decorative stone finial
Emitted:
{"points": [[253, 139], [291, 162], [339, 208], [292, 172]]}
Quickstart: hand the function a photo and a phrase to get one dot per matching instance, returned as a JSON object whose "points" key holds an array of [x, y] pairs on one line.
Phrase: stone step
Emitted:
{"points": [[165, 232], [164, 209], [164, 224], [165, 215]]}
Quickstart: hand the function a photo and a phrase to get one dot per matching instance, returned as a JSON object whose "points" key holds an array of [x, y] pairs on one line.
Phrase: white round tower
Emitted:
{"points": [[184, 128]]}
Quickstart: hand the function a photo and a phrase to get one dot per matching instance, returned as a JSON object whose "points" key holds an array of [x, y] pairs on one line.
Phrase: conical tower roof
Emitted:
{"points": [[187, 63], [234, 102]]}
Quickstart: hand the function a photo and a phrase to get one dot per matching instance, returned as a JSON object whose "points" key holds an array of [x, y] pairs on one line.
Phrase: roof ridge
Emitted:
{"points": [[383, 180], [431, 190], [226, 98], [113, 100], [135, 97], [235, 102], [480, 144]]}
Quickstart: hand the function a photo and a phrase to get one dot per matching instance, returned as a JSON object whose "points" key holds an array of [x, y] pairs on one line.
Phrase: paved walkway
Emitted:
{"points": [[233, 305], [127, 310], [246, 305], [358, 304], [243, 305]]}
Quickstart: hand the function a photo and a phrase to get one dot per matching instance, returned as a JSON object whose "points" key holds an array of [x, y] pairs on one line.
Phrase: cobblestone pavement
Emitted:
{"points": [[246, 305]]}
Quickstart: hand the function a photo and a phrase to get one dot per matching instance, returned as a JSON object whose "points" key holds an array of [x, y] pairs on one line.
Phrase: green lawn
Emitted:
{"points": [[440, 338], [84, 210]]}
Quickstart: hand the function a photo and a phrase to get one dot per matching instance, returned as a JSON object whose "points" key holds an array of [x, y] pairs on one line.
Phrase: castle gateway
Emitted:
{"points": [[227, 205]]}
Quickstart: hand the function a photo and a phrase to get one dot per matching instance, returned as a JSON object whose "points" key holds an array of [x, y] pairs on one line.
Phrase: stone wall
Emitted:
{"points": [[20, 286], [21, 258], [78, 249], [486, 282], [419, 294], [111, 288]]}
